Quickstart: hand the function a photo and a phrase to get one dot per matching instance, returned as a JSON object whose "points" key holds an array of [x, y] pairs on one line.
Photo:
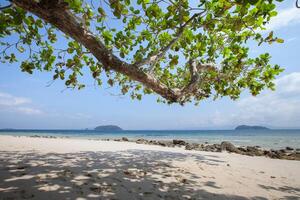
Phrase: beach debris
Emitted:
{"points": [[128, 173], [88, 174], [135, 173], [166, 165], [183, 180], [22, 167], [96, 189]]}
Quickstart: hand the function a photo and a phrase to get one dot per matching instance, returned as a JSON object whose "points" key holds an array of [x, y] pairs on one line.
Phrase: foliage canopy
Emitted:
{"points": [[182, 50]]}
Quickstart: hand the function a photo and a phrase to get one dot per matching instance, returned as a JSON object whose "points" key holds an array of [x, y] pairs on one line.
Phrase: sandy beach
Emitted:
{"points": [[66, 168]]}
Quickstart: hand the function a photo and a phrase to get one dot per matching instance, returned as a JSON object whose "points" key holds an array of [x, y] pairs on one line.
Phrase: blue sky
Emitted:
{"points": [[27, 102]]}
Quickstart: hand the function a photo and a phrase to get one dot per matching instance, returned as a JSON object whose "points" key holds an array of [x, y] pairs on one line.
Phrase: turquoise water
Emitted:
{"points": [[275, 139]]}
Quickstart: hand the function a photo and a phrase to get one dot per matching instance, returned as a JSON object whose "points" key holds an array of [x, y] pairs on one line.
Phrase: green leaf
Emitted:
{"points": [[279, 40]]}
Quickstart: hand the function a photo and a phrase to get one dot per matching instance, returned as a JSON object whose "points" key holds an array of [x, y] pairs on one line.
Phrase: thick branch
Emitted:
{"points": [[65, 21], [56, 13]]}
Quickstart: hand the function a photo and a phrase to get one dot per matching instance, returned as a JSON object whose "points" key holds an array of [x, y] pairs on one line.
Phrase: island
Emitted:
{"points": [[108, 128], [246, 127]]}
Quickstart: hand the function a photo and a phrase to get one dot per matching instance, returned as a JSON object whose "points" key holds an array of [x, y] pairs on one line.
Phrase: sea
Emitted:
{"points": [[269, 139]]}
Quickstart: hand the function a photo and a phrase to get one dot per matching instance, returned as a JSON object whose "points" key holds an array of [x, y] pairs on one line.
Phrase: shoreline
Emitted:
{"points": [[273, 139], [287, 153], [68, 168]]}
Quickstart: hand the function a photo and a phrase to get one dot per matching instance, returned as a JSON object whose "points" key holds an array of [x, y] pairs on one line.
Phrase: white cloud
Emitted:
{"points": [[284, 18], [10, 100], [12, 103], [279, 108], [29, 111]]}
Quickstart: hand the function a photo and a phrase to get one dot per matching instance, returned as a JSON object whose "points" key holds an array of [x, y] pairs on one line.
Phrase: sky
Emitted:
{"points": [[28, 102]]}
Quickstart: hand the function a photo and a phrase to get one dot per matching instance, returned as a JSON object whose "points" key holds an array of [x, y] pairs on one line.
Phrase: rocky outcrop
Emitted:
{"points": [[289, 148], [251, 151], [179, 142], [194, 146], [227, 146], [287, 153]]}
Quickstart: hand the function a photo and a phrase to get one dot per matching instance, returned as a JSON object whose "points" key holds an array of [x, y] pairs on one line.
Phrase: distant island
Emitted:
{"points": [[108, 128], [246, 127]]}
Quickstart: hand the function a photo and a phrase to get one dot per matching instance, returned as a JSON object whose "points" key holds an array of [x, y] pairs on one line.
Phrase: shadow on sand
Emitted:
{"points": [[133, 174]]}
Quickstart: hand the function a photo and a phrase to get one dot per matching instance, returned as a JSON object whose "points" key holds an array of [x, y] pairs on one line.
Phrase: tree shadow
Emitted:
{"points": [[293, 191], [132, 174]]}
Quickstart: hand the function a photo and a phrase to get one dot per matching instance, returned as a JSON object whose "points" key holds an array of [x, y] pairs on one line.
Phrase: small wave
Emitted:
{"points": [[241, 140]]}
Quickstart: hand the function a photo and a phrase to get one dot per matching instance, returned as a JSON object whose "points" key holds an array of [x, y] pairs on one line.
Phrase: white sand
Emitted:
{"points": [[42, 168]]}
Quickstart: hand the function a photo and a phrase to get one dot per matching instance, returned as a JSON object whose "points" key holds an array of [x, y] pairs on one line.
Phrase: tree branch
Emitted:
{"points": [[192, 87], [56, 12], [152, 60]]}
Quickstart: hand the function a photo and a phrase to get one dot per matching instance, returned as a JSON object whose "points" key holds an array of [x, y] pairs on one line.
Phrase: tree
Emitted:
{"points": [[182, 50]]}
